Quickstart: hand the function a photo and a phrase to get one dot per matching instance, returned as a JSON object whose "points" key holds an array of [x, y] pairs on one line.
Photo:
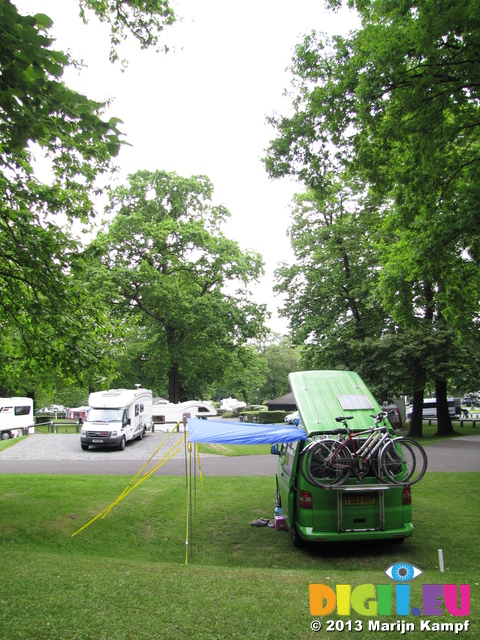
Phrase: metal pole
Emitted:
{"points": [[440, 561]]}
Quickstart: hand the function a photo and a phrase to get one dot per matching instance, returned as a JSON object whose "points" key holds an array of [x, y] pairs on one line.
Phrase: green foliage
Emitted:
{"points": [[144, 19], [243, 375], [271, 417], [50, 328], [282, 357], [165, 264], [385, 130]]}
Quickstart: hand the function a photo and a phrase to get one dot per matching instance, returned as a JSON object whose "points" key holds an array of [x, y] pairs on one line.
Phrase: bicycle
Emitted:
{"points": [[329, 462]]}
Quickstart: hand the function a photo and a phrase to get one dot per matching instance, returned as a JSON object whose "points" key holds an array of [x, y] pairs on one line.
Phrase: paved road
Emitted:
{"points": [[61, 454]]}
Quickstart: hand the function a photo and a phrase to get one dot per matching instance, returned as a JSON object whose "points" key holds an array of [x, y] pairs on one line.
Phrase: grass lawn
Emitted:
{"points": [[125, 577], [429, 432]]}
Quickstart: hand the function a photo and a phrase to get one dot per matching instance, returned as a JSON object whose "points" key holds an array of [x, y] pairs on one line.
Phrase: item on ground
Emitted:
{"points": [[261, 522]]}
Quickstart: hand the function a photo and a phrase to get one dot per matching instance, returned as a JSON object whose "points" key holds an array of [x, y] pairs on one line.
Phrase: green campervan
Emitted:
{"points": [[360, 507]]}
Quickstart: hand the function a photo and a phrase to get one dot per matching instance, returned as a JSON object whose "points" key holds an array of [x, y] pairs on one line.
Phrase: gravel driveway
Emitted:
{"points": [[53, 446]]}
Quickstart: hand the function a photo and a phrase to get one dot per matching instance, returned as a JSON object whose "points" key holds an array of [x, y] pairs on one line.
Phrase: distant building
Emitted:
{"points": [[283, 403]]}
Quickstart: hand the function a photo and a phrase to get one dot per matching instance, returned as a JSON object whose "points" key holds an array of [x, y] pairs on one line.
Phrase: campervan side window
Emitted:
{"points": [[22, 411], [137, 409], [203, 410], [289, 456]]}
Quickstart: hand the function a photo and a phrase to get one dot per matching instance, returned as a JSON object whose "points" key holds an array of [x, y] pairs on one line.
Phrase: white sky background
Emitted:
{"points": [[201, 108]]}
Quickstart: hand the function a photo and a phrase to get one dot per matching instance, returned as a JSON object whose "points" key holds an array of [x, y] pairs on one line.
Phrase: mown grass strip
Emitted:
{"points": [[124, 577]]}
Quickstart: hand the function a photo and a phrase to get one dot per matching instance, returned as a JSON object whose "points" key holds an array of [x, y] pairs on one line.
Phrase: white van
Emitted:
{"points": [[16, 417], [429, 410], [117, 416], [168, 414]]}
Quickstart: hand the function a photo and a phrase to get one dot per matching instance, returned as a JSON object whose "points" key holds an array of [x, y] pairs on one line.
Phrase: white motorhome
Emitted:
{"points": [[116, 416], [169, 414], [230, 404], [16, 417]]}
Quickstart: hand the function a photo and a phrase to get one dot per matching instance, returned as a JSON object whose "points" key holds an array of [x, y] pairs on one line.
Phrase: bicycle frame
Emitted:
{"points": [[377, 437]]}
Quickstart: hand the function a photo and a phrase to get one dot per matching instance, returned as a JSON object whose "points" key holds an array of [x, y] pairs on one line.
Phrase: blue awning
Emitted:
{"points": [[222, 432]]}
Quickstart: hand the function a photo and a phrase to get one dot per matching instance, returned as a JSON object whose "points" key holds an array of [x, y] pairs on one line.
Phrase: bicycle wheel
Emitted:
{"points": [[326, 464], [403, 461]]}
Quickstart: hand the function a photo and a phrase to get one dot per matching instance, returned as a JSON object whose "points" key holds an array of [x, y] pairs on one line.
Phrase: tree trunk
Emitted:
{"points": [[416, 423], [444, 422], [31, 394], [173, 384]]}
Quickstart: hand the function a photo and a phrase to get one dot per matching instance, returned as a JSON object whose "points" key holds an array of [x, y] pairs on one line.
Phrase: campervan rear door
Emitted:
{"points": [[322, 396]]}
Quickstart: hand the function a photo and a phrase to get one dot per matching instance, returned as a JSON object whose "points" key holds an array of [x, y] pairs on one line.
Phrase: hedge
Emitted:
{"points": [[264, 417]]}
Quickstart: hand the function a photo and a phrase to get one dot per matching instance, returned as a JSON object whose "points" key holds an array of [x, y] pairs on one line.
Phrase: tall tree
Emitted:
{"points": [[330, 288], [47, 323], [282, 357], [165, 259], [395, 104]]}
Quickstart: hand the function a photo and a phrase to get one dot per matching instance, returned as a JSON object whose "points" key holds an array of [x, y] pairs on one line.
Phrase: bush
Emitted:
{"points": [[264, 417], [272, 417]]}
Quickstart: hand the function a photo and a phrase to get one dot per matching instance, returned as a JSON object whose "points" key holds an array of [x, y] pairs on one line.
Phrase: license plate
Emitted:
{"points": [[97, 440], [360, 501]]}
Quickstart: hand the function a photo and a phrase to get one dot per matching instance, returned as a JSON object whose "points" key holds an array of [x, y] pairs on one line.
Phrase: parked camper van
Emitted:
{"points": [[16, 417], [357, 510], [429, 410], [116, 416], [167, 415]]}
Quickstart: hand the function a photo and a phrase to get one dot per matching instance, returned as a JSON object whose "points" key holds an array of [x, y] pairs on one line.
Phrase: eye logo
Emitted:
{"points": [[403, 572]]}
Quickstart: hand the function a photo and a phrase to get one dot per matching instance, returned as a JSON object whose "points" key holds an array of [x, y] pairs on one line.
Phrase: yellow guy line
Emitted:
{"points": [[199, 465], [147, 475], [125, 491], [153, 455], [175, 449]]}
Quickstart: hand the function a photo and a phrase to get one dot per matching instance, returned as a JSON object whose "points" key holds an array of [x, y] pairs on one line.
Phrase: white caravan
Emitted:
{"points": [[16, 417], [116, 416], [168, 414]]}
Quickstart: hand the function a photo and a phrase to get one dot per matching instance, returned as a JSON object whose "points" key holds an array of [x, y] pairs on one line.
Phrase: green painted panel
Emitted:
{"points": [[321, 396]]}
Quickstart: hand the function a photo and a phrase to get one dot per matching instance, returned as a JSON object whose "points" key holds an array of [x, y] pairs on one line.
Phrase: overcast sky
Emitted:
{"points": [[202, 107]]}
